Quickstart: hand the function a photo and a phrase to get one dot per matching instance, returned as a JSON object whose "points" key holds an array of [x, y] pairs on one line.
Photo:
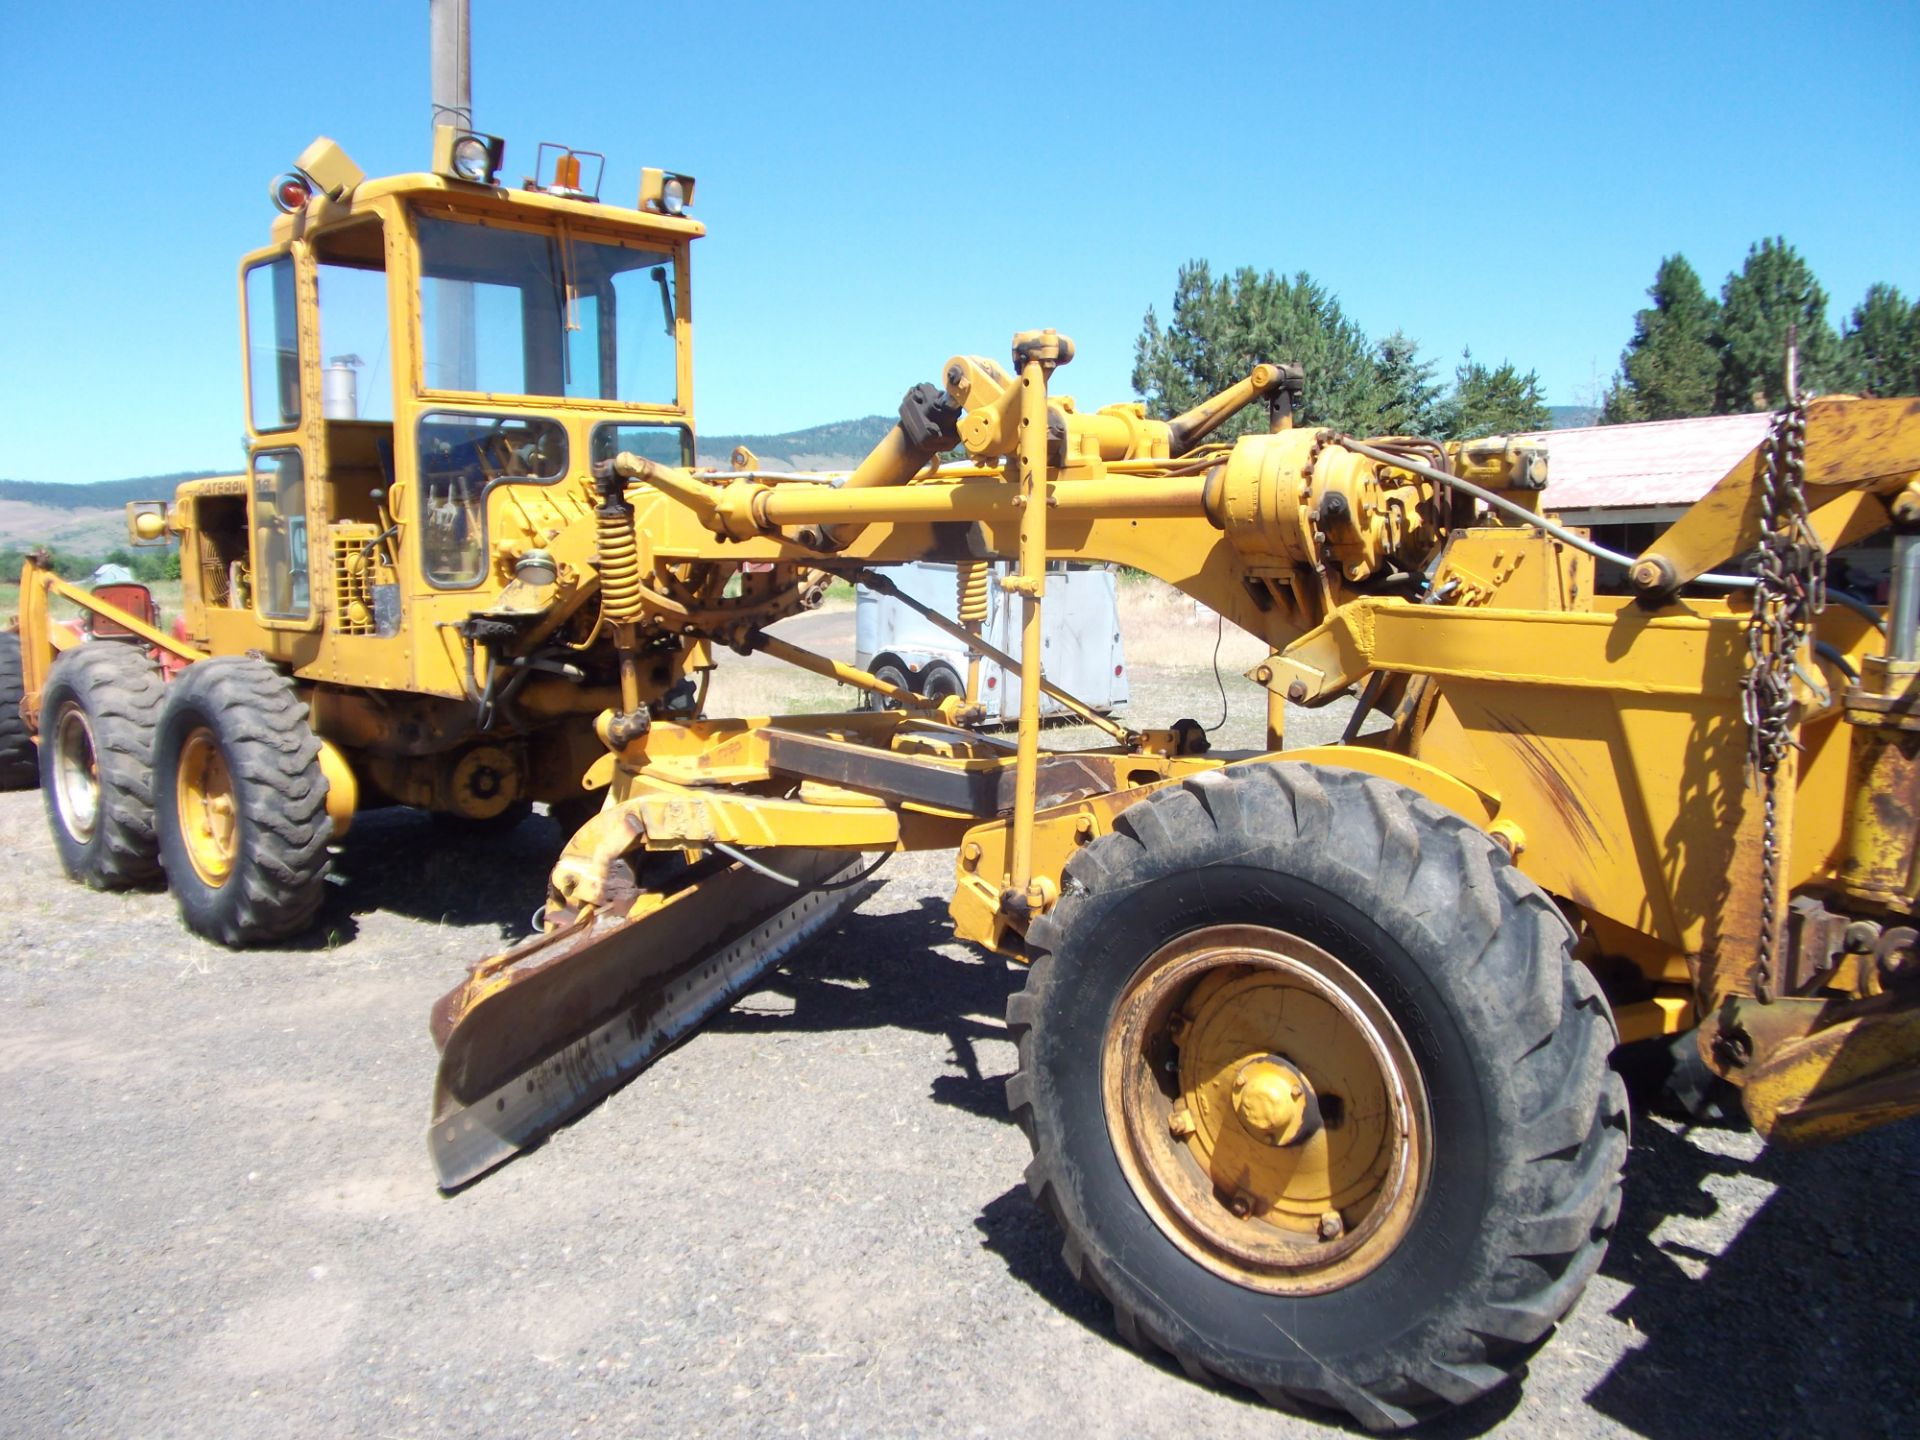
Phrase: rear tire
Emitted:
{"points": [[1482, 1212], [19, 765], [96, 763], [240, 803]]}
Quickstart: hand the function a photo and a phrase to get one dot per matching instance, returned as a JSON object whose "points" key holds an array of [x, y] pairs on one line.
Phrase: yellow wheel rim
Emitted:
{"points": [[209, 816], [1266, 1109]]}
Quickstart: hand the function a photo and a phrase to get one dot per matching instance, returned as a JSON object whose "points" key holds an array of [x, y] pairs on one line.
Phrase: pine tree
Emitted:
{"points": [[1880, 351], [1620, 405], [1670, 367], [1411, 402], [1771, 293], [1220, 329], [1498, 401]]}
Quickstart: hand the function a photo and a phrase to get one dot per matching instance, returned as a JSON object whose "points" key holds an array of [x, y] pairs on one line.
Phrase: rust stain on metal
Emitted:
{"points": [[1550, 778]]}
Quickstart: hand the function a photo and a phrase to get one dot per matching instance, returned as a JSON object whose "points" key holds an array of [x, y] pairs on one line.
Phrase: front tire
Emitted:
{"points": [[240, 803], [1281, 987], [96, 763]]}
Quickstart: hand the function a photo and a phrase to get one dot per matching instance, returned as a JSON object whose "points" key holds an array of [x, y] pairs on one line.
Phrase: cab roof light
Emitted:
{"points": [[290, 192], [564, 178], [665, 193], [467, 155], [322, 169]]}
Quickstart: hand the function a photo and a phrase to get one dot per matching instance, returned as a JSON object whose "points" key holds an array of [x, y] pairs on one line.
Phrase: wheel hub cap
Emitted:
{"points": [[209, 815], [1266, 1109], [1270, 1098]]}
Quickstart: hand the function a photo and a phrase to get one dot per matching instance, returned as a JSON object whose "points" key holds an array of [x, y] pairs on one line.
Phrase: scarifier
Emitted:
{"points": [[1313, 1044]]}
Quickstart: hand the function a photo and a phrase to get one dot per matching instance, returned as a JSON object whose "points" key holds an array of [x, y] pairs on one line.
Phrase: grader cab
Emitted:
{"points": [[1314, 1041], [431, 364]]}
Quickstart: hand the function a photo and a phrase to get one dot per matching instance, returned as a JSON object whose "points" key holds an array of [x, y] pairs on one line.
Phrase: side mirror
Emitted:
{"points": [[665, 282]]}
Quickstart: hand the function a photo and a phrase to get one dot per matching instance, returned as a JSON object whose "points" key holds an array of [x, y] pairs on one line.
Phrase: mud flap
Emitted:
{"points": [[541, 1033]]}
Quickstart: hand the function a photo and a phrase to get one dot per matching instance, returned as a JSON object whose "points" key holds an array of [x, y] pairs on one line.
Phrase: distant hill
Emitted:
{"points": [[100, 494], [1572, 417], [838, 446], [82, 519]]}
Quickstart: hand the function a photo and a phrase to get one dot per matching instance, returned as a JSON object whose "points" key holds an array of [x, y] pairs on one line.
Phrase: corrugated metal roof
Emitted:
{"points": [[1659, 462]]}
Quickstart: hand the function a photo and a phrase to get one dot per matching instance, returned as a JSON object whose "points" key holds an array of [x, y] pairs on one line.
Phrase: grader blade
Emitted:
{"points": [[539, 1034]]}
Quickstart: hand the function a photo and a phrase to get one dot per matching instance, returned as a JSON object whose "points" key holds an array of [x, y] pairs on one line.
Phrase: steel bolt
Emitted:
{"points": [[1241, 1206], [1181, 1123], [1264, 674], [1297, 691], [1332, 1227], [1652, 576]]}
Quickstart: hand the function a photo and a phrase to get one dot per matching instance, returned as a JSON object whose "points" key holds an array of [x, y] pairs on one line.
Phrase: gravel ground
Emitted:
{"points": [[217, 1216]]}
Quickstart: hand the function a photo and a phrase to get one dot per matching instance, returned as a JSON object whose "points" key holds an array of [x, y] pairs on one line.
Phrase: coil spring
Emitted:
{"points": [[971, 582], [619, 564]]}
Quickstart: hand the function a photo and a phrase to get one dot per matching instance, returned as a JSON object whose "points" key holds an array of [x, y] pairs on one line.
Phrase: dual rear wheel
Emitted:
{"points": [[212, 783], [96, 763], [19, 767]]}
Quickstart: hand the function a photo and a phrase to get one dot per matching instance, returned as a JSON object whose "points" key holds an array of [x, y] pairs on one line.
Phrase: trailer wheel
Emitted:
{"points": [[19, 765], [96, 763], [893, 673], [939, 680], [1317, 1093], [240, 802]]}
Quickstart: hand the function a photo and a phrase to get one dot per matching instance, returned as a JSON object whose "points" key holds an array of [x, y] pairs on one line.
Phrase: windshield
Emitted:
{"points": [[526, 312]]}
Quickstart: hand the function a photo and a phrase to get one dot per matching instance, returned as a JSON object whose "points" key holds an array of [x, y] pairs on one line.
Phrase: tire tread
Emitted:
{"points": [[1516, 971], [119, 687], [261, 723]]}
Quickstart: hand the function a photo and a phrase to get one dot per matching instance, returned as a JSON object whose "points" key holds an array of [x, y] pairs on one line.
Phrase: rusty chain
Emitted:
{"points": [[1789, 590]]}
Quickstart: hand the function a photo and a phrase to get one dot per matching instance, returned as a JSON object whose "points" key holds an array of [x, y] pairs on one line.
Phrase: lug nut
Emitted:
{"points": [[1181, 1123], [1332, 1227], [1241, 1206]]}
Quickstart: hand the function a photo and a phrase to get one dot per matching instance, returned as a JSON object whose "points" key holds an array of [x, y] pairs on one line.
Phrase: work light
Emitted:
{"points": [[467, 155]]}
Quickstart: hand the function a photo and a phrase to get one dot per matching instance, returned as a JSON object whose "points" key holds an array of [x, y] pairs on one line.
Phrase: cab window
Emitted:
{"points": [[273, 346], [664, 444], [280, 587], [462, 456], [350, 278], [505, 311]]}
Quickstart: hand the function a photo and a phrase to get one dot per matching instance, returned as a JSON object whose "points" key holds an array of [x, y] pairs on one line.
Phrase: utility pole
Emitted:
{"points": [[451, 42]]}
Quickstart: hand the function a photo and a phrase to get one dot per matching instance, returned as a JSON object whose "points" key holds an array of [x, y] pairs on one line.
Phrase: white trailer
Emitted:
{"points": [[1080, 638]]}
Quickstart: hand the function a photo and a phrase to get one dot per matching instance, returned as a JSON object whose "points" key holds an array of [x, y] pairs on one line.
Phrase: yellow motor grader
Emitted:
{"points": [[1314, 1042]]}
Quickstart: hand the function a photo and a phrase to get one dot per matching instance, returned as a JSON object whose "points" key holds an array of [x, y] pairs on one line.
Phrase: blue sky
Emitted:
{"points": [[885, 185]]}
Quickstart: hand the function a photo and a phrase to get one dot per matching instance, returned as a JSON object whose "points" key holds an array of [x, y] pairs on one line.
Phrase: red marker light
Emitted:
{"points": [[1118, 669], [290, 192]]}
